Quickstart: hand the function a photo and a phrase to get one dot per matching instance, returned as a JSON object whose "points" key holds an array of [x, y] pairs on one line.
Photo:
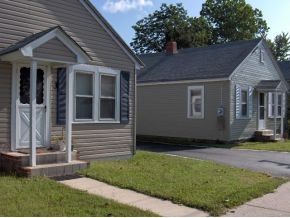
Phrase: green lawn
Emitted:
{"points": [[201, 184], [44, 197], [270, 146]]}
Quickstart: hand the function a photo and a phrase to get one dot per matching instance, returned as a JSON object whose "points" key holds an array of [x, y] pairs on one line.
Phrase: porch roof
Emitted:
{"points": [[25, 47], [268, 85]]}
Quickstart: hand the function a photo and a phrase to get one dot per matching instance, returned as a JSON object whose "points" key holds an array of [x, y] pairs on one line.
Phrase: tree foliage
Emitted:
{"points": [[233, 20], [171, 22], [280, 46]]}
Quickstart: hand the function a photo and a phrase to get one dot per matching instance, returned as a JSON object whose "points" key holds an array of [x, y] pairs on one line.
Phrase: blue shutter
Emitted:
{"points": [[124, 97], [250, 101], [61, 96], [238, 101]]}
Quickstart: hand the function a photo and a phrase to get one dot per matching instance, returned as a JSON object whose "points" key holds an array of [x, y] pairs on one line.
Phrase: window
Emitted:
{"points": [[244, 103], [195, 102], [262, 56], [108, 97], [271, 104], [84, 96], [97, 94]]}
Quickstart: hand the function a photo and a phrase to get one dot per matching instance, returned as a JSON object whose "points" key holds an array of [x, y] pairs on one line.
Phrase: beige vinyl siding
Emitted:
{"points": [[54, 49], [21, 18], [5, 105], [162, 111], [94, 141], [250, 73]]}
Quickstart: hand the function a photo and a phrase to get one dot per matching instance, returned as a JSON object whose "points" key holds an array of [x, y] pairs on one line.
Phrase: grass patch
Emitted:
{"points": [[44, 197], [268, 146], [205, 185]]}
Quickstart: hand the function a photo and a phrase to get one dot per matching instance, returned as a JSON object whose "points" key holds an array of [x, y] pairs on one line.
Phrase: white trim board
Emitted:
{"points": [[182, 82]]}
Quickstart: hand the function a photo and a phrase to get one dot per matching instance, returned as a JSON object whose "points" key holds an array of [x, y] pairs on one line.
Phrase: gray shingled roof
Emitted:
{"points": [[34, 37], [285, 68], [25, 41], [268, 84], [215, 61]]}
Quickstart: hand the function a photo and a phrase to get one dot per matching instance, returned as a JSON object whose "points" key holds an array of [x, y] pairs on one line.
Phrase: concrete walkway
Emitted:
{"points": [[125, 196], [275, 204]]}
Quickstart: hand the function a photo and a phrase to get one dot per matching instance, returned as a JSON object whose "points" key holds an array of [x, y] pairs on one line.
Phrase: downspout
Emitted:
{"points": [[275, 114], [135, 110]]}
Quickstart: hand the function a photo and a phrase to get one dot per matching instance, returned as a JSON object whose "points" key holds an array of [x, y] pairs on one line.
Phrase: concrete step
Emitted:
{"points": [[54, 170]]}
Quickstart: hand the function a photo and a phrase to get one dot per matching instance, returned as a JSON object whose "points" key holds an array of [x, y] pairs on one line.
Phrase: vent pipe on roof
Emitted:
{"points": [[171, 47]]}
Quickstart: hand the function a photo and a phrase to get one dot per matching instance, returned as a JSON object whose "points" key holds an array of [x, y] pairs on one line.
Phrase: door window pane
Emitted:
{"points": [[25, 86]]}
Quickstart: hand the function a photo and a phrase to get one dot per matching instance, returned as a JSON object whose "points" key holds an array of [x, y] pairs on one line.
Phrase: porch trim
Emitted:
{"points": [[69, 110], [14, 129], [32, 124]]}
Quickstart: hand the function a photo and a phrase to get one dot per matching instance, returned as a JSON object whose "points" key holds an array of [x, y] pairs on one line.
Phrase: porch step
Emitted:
{"points": [[50, 163], [54, 170], [266, 135]]}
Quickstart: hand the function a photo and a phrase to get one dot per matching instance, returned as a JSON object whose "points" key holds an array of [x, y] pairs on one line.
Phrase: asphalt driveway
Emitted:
{"points": [[273, 163]]}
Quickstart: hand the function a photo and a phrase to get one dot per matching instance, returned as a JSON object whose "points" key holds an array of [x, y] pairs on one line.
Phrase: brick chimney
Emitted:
{"points": [[171, 47]]}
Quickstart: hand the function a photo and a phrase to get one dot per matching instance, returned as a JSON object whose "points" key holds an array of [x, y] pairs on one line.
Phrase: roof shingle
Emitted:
{"points": [[215, 61]]}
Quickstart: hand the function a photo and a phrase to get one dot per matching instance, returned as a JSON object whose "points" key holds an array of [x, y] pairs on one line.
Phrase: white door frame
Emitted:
{"points": [[262, 123], [15, 115]]}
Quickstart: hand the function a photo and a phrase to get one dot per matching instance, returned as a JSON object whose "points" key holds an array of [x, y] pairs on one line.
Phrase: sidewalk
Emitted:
{"points": [[275, 204], [125, 196]]}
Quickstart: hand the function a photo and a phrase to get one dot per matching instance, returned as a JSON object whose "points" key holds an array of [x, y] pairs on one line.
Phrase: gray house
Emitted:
{"points": [[285, 68], [223, 92], [65, 77]]}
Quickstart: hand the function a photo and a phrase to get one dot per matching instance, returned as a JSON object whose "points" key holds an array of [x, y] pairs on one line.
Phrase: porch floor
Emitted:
{"points": [[49, 163]]}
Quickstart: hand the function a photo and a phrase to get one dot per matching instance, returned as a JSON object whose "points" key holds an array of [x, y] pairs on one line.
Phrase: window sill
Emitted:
{"points": [[97, 122], [195, 118], [243, 118]]}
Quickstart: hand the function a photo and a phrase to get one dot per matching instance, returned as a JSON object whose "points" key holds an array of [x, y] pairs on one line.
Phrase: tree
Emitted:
{"points": [[171, 22], [233, 20], [280, 46]]}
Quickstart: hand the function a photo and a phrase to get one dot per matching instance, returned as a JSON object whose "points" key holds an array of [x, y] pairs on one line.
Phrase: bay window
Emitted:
{"points": [[96, 94]]}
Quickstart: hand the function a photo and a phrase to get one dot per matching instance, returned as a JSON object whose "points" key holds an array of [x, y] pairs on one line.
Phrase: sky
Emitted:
{"points": [[123, 14]]}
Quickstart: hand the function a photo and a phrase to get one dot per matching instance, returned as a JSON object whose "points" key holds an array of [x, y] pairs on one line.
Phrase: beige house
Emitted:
{"points": [[225, 92], [65, 75]]}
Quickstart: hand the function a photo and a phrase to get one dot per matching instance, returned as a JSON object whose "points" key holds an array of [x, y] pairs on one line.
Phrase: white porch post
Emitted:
{"points": [[275, 114], [32, 124], [69, 110]]}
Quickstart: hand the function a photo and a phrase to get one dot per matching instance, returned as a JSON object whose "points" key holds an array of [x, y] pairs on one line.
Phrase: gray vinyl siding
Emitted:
{"points": [[162, 111], [250, 73], [21, 18], [5, 105], [54, 49]]}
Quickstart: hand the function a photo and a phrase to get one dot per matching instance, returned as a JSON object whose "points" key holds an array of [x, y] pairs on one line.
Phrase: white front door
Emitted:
{"points": [[23, 107], [262, 111]]}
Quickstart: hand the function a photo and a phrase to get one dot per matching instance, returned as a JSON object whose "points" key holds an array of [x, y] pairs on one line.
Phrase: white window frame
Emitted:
{"points": [[189, 103], [271, 104], [117, 93], [97, 71], [84, 96], [262, 54], [244, 103]]}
